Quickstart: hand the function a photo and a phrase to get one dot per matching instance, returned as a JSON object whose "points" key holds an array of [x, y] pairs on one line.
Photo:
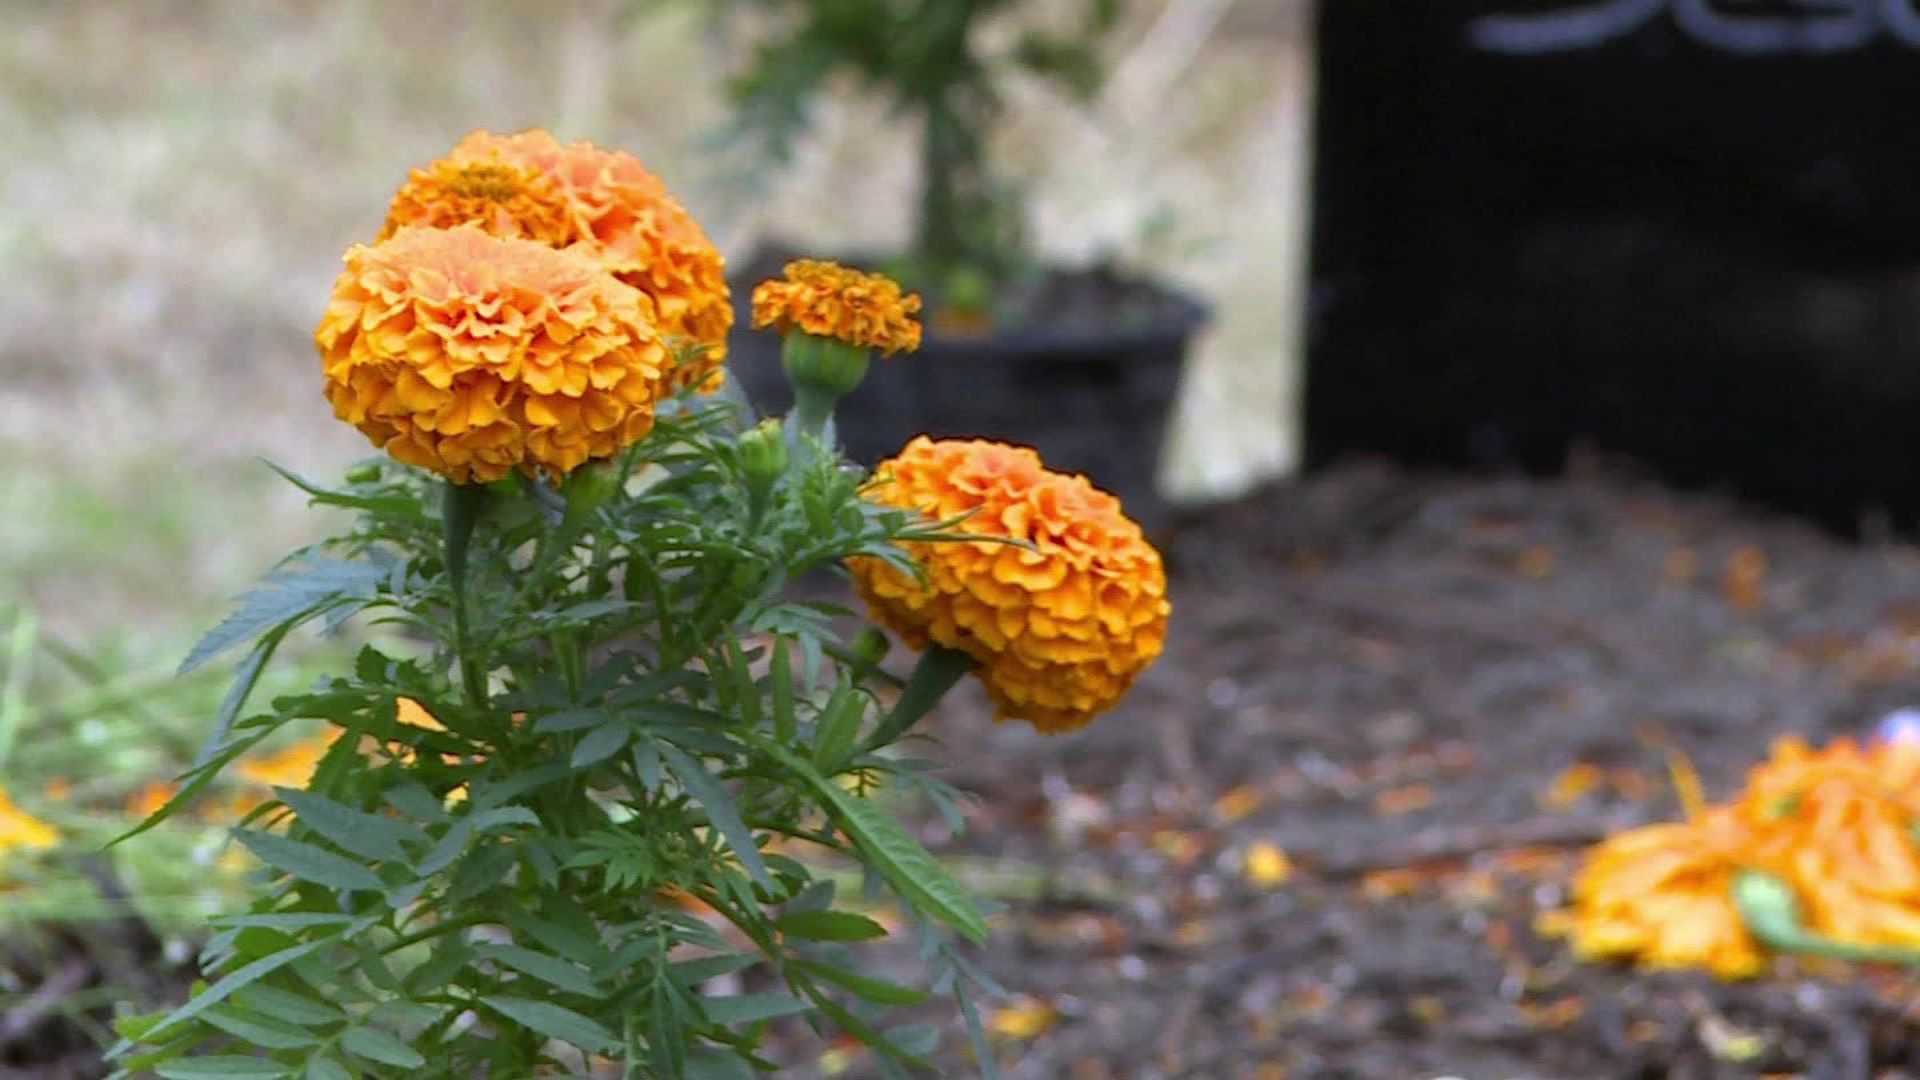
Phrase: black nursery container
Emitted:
{"points": [[1090, 400]]}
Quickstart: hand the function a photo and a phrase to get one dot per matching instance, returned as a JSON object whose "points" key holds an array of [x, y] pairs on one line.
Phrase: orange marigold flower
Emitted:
{"points": [[605, 202], [831, 301], [505, 198], [472, 355], [20, 830], [289, 768], [1060, 629], [1661, 895]]}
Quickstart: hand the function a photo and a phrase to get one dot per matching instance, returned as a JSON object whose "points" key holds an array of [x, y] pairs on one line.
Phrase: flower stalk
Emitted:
{"points": [[460, 509]]}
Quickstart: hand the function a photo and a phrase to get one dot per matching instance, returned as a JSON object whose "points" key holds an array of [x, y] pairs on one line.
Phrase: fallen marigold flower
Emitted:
{"points": [[473, 355], [21, 831], [601, 202], [1059, 628], [828, 300], [288, 768]]}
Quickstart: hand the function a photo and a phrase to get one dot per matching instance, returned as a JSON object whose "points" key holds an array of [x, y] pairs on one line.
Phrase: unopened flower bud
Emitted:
{"points": [[763, 451], [591, 485], [871, 646], [366, 472]]}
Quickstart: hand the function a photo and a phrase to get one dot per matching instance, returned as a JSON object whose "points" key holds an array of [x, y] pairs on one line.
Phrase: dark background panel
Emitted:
{"points": [[1681, 230]]}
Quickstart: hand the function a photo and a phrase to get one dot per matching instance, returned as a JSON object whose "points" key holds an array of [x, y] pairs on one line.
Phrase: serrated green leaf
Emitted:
{"points": [[837, 727], [226, 986], [262, 1031], [281, 920], [286, 598], [416, 802], [310, 863], [829, 926], [553, 1021], [751, 1008], [877, 990], [288, 1006], [551, 970], [370, 836], [897, 856], [600, 744], [720, 810], [377, 1045], [221, 1067]]}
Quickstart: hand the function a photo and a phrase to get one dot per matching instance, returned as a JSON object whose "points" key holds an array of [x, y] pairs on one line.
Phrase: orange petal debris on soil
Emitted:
{"points": [[1022, 1019], [1744, 580], [1266, 865], [1832, 823]]}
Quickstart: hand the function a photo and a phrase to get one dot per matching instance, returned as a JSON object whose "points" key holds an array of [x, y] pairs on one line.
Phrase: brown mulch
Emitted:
{"points": [[1431, 693]]}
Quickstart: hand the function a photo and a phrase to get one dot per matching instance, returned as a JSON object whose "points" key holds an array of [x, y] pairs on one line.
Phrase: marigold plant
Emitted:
{"points": [[577, 816], [1060, 604], [532, 185]]}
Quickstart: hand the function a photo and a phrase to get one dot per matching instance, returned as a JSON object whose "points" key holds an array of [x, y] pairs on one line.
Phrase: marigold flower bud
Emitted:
{"points": [[763, 451]]}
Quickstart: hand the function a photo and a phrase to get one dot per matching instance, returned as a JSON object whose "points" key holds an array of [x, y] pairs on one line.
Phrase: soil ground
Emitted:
{"points": [[1430, 693]]}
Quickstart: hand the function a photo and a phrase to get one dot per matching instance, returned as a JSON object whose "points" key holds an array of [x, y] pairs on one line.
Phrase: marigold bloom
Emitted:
{"points": [[289, 768], [605, 203], [473, 355], [831, 301], [20, 830], [1830, 824], [1059, 630], [1661, 895]]}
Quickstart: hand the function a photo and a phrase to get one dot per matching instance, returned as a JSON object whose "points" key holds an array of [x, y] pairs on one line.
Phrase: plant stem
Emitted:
{"points": [[459, 512]]}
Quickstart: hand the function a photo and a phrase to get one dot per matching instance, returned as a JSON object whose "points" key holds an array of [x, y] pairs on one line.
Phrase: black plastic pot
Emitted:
{"points": [[1090, 399]]}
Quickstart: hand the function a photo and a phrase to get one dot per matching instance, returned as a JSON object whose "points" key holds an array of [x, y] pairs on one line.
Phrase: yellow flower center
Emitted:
{"points": [[487, 181]]}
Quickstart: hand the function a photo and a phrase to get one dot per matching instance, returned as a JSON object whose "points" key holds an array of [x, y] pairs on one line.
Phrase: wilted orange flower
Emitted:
{"points": [[1832, 825], [473, 355], [1060, 629], [1662, 895], [605, 202], [20, 830], [831, 301]]}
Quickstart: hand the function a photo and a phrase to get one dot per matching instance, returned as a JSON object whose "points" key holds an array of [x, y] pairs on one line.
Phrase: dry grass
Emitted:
{"points": [[180, 179]]}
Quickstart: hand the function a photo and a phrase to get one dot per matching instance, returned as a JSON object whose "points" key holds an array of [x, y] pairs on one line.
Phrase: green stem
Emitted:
{"points": [[1772, 915], [460, 511], [812, 410], [939, 668]]}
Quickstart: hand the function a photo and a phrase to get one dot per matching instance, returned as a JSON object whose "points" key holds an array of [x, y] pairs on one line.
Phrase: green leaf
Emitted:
{"points": [[837, 727], [370, 836], [720, 810], [829, 926], [287, 597], [288, 1006], [261, 1031], [600, 744], [751, 1008], [898, 857], [553, 1021], [878, 990], [325, 1068], [377, 1045], [310, 863], [281, 920], [227, 985], [223, 1067], [396, 505], [690, 973], [780, 677], [548, 969]]}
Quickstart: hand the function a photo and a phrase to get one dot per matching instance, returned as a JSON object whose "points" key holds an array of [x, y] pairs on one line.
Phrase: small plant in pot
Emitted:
{"points": [[1082, 364]]}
